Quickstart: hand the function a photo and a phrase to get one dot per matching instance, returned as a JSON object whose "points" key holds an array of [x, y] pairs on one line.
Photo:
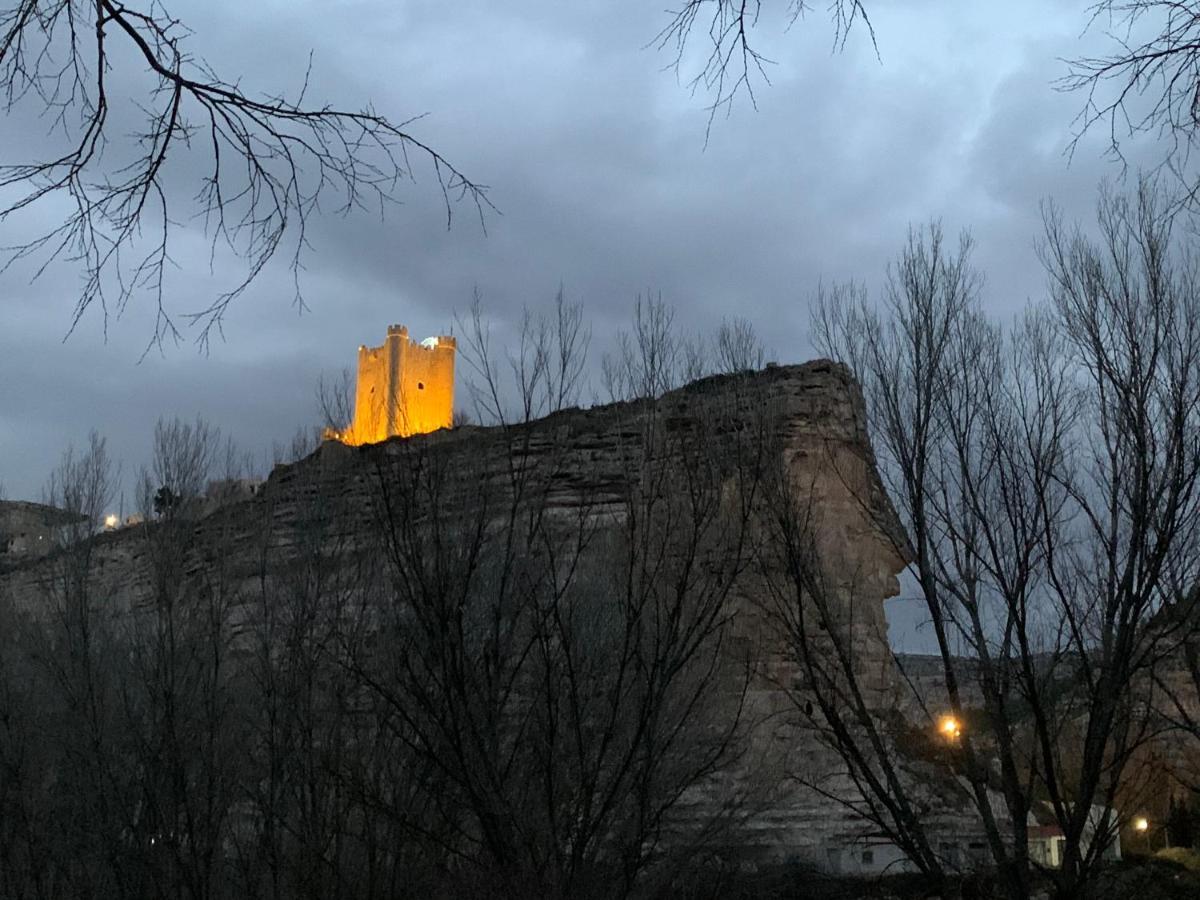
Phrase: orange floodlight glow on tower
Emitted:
{"points": [[404, 388]]}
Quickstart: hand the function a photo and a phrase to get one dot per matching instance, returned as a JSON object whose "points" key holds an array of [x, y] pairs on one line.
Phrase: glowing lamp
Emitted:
{"points": [[110, 521], [1141, 823], [950, 727]]}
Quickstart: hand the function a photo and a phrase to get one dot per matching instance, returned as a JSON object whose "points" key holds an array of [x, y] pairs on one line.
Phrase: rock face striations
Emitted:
{"points": [[672, 500]]}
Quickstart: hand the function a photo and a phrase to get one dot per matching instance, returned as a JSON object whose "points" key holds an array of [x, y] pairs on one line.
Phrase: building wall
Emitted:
{"points": [[370, 423], [29, 529], [404, 388], [425, 386]]}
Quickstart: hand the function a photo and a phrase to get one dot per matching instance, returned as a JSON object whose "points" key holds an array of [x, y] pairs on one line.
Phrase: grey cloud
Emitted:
{"points": [[598, 163]]}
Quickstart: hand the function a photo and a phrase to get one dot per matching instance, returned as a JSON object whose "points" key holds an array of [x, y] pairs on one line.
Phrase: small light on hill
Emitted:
{"points": [[950, 728]]}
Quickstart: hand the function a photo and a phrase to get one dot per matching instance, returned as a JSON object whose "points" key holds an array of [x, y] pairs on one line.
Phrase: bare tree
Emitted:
{"points": [[545, 373], [504, 669], [1149, 84], [179, 694], [83, 486], [570, 338], [271, 160], [335, 400], [731, 62], [1047, 476], [738, 347], [650, 359], [315, 818], [1176, 627], [80, 791], [1129, 309], [654, 357], [304, 440], [183, 460], [24, 829], [548, 635], [812, 604]]}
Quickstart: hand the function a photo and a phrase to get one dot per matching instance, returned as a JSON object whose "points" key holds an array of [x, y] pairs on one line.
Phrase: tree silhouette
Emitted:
{"points": [[265, 162], [165, 501]]}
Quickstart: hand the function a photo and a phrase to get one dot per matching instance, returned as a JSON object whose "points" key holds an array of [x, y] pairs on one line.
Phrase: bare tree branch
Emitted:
{"points": [[271, 161], [731, 63], [1149, 84]]}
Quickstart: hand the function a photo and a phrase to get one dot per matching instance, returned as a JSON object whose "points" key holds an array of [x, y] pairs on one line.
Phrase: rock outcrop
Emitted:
{"points": [[805, 421]]}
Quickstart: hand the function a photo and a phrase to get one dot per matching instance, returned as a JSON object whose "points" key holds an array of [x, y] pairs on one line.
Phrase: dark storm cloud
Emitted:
{"points": [[599, 166]]}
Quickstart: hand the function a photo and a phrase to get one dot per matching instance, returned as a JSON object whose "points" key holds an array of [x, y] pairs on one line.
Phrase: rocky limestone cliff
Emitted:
{"points": [[582, 465], [814, 410]]}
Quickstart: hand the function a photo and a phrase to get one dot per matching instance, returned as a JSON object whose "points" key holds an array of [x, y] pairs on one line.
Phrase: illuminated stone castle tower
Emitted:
{"points": [[404, 388]]}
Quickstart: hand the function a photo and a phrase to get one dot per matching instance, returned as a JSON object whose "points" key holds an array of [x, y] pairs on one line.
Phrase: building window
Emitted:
{"points": [[420, 385], [868, 857]]}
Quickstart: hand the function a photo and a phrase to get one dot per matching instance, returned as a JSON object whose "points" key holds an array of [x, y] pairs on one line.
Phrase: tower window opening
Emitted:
{"points": [[420, 385]]}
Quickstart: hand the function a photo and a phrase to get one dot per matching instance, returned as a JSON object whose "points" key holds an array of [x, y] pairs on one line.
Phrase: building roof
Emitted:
{"points": [[25, 510], [1044, 832]]}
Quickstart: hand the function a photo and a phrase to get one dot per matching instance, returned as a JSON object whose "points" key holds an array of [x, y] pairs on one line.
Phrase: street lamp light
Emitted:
{"points": [[950, 728], [1141, 825]]}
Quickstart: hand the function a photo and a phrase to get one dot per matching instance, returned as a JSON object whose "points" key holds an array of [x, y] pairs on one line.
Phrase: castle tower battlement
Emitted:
{"points": [[404, 388]]}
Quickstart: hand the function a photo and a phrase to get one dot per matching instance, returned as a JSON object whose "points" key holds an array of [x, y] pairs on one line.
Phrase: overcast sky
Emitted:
{"points": [[597, 161]]}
